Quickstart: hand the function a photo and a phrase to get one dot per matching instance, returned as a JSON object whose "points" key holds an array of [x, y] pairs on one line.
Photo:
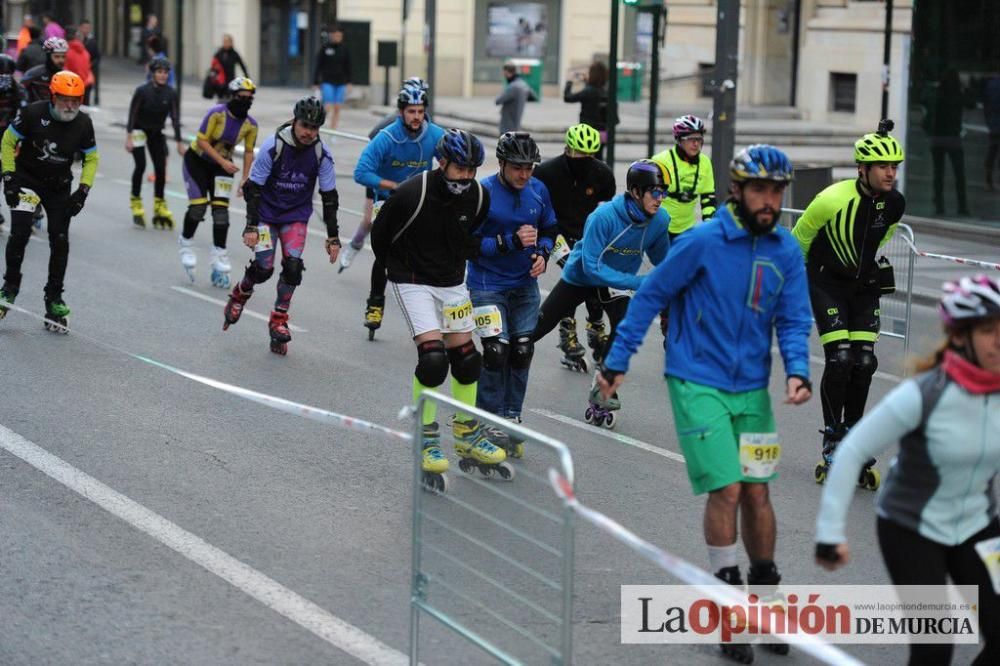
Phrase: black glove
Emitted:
{"points": [[11, 189], [828, 552], [77, 199]]}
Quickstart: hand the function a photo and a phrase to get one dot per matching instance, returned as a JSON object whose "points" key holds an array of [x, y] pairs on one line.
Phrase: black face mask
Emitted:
{"points": [[579, 166], [239, 107]]}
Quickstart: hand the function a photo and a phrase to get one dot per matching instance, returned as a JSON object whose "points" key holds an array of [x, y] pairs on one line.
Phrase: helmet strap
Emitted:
{"points": [[863, 178]]}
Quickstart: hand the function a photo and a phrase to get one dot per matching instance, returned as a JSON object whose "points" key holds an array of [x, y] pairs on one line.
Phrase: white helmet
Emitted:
{"points": [[970, 298]]}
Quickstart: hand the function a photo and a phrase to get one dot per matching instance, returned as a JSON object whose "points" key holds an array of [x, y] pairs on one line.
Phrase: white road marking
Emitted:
{"points": [[216, 301], [624, 439], [267, 591]]}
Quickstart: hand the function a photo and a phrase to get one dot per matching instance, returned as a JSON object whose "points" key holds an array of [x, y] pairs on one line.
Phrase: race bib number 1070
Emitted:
{"points": [[457, 316]]}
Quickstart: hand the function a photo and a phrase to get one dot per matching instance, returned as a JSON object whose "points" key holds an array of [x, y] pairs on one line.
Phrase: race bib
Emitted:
{"points": [[620, 293], [138, 138], [989, 552], [759, 454], [264, 241], [457, 316], [223, 187], [28, 200], [561, 249], [487, 320], [376, 207]]}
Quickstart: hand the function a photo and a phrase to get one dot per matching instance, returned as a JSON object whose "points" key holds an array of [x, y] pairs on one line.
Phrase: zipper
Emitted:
{"points": [[864, 238], [743, 316]]}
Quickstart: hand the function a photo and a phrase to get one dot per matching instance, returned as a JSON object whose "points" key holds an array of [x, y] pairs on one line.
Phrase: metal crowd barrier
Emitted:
{"points": [[896, 308], [492, 559]]}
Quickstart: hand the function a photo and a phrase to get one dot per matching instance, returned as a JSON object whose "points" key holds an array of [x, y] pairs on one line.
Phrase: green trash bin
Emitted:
{"points": [[629, 81], [529, 69]]}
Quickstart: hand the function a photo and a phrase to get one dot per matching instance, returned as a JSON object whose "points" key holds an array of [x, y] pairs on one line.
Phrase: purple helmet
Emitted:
{"points": [[687, 125]]}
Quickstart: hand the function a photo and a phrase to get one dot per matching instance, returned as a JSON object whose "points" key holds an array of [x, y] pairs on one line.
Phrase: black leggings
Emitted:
{"points": [[157, 145], [378, 280], [915, 560], [57, 225], [563, 301]]}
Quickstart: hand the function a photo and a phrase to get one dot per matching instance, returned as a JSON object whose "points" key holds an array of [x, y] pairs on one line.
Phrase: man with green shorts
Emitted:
{"points": [[730, 286]]}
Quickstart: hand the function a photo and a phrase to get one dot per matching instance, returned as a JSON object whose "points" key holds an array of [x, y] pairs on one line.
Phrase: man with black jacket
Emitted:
{"points": [[333, 74]]}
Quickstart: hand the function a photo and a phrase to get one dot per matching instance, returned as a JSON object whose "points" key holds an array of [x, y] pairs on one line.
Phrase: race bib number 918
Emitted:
{"points": [[760, 453]]}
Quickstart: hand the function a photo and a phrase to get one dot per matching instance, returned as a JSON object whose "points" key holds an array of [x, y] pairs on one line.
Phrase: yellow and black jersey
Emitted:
{"points": [[842, 230], [41, 148], [224, 132]]}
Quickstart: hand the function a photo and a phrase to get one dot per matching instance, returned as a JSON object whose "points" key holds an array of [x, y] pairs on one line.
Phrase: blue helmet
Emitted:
{"points": [[416, 82], [761, 162], [462, 148], [411, 96]]}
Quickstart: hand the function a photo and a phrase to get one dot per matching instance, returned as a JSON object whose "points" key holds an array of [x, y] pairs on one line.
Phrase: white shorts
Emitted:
{"points": [[423, 307]]}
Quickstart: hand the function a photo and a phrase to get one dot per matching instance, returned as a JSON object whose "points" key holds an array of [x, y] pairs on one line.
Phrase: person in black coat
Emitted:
{"points": [[229, 58], [593, 99]]}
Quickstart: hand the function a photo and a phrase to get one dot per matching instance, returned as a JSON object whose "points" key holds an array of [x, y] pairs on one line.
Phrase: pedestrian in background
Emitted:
{"points": [[593, 99], [78, 60], [24, 36], [513, 99], [228, 59], [991, 111], [86, 33], [151, 29], [32, 54], [50, 28], [333, 74]]}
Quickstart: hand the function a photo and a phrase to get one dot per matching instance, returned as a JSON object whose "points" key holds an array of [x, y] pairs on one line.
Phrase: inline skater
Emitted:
{"points": [[692, 181], [364, 228], [279, 203], [577, 182], [151, 103], [606, 261], [37, 153], [517, 238], [12, 98], [423, 235], [37, 79], [841, 233], [937, 514], [719, 363], [401, 150], [209, 171]]}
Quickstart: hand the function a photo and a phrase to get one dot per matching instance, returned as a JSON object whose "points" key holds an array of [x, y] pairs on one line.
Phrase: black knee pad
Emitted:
{"points": [[197, 212], [839, 362], [220, 216], [466, 363], [291, 270], [521, 352], [865, 361], [258, 273], [494, 353], [432, 363]]}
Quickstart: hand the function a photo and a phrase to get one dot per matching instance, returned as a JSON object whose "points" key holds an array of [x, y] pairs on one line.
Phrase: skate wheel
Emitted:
{"points": [[588, 416], [820, 472], [777, 648], [505, 471], [435, 483], [371, 334], [466, 465], [486, 470], [279, 348], [873, 479], [610, 420]]}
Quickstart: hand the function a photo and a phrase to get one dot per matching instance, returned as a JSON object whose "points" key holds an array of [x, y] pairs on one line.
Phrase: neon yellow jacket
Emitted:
{"points": [[689, 183]]}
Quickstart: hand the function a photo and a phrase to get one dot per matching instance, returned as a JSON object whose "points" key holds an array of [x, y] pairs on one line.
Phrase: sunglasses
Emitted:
{"points": [[657, 192]]}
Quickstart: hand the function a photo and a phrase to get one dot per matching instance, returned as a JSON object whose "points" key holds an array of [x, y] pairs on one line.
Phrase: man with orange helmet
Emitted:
{"points": [[37, 153]]}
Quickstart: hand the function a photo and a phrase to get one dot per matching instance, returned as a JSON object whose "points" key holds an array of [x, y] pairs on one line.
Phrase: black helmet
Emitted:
{"points": [[7, 64], [310, 110], [645, 174], [518, 148], [159, 63]]}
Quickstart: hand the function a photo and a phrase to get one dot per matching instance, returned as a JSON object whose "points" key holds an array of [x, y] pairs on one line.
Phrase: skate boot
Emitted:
{"points": [[601, 412], [138, 213], [739, 652], [433, 463], [762, 580], [514, 445], [573, 353], [55, 315], [869, 477], [476, 451], [831, 437], [7, 293], [220, 267], [373, 314], [162, 217], [185, 248], [347, 255], [234, 308], [280, 335], [597, 339]]}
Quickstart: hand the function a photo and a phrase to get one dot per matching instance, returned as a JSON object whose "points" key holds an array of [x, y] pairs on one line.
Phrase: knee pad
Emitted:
{"points": [[494, 353], [220, 216], [197, 211], [521, 352], [291, 270], [839, 362], [258, 273], [432, 363], [865, 361], [466, 363]]}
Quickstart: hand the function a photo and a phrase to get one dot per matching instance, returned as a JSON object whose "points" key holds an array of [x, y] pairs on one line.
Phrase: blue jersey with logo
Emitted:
{"points": [[395, 154]]}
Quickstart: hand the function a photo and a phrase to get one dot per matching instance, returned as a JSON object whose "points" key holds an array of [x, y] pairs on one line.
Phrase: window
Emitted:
{"points": [[706, 72], [843, 91]]}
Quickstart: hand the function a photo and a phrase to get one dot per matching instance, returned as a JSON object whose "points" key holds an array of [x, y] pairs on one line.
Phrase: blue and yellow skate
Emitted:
{"points": [[476, 451]]}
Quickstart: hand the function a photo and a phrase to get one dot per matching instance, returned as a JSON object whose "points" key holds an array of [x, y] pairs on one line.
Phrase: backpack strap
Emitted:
{"points": [[420, 205]]}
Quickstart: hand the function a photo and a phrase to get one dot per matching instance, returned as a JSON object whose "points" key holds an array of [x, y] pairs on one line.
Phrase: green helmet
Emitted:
{"points": [[583, 138], [878, 146]]}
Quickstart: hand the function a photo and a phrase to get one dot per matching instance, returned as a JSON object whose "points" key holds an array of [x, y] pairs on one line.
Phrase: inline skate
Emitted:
{"points": [[597, 339], [739, 652], [277, 325], [189, 261], [55, 315], [373, 314], [162, 217], [433, 463], [234, 308], [573, 352], [138, 212], [601, 412], [476, 451], [7, 293], [220, 267]]}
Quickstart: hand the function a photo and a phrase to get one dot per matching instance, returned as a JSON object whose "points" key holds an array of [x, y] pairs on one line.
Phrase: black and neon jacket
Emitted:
{"points": [[842, 230]]}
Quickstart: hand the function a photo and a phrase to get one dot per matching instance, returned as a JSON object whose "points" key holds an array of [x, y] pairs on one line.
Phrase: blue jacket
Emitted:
{"points": [[726, 290], [499, 266], [610, 252], [394, 154]]}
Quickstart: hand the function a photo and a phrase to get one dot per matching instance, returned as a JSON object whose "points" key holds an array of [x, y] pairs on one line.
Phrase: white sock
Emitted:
{"points": [[721, 557]]}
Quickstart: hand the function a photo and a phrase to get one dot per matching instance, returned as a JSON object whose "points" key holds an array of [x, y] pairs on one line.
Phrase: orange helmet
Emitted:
{"points": [[66, 83]]}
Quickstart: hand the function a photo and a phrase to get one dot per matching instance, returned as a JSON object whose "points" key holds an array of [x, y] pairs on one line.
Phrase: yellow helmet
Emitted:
{"points": [[240, 84]]}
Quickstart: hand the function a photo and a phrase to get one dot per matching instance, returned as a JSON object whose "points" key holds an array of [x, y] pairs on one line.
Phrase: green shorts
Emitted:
{"points": [[709, 423]]}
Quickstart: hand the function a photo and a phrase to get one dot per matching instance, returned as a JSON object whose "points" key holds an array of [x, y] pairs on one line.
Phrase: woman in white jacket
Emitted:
{"points": [[938, 501]]}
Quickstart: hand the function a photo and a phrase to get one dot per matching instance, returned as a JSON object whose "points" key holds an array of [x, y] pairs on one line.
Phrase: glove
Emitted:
{"points": [[77, 199], [11, 189], [827, 551], [332, 242]]}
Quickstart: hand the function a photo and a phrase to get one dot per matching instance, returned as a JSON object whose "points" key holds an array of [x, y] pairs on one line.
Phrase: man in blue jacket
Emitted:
{"points": [[403, 149], [517, 238], [606, 261], [728, 285]]}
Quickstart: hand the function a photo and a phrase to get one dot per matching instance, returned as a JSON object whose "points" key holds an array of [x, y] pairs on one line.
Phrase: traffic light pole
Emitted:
{"points": [[609, 157], [659, 13], [430, 27], [724, 106]]}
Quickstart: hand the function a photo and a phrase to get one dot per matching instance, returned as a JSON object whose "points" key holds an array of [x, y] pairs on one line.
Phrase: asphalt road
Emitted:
{"points": [[178, 522]]}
